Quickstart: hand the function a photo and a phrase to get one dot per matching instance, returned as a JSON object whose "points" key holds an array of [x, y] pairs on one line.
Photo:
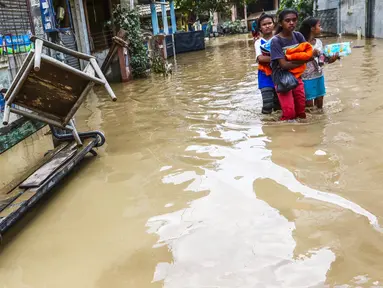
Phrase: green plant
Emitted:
{"points": [[129, 20], [146, 24], [305, 8], [159, 64], [231, 27], [208, 6]]}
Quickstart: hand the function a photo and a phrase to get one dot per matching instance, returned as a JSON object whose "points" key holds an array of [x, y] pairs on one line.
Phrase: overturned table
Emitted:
{"points": [[50, 92]]}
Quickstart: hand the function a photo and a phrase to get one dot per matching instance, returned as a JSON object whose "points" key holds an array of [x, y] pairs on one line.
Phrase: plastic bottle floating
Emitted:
{"points": [[344, 49]]}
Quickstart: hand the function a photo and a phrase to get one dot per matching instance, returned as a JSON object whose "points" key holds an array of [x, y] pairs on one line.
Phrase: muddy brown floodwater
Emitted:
{"points": [[194, 189]]}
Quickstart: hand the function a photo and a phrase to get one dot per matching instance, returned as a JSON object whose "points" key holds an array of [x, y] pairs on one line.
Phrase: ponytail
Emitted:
{"points": [[306, 26]]}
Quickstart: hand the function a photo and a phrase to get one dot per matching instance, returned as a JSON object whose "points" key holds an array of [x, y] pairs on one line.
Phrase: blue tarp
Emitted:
{"points": [[186, 42]]}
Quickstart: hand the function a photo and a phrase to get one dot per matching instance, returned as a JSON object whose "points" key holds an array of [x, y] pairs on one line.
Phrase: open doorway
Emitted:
{"points": [[100, 23]]}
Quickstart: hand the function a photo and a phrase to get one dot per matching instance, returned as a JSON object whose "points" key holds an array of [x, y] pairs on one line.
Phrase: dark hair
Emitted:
{"points": [[263, 17], [306, 26], [282, 16]]}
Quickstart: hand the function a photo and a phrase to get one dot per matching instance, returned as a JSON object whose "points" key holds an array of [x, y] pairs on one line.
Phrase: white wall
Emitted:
{"points": [[353, 18], [378, 23], [79, 23], [328, 4], [4, 74]]}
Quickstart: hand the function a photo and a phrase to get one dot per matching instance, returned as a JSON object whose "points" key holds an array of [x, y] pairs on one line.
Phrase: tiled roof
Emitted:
{"points": [[144, 10]]}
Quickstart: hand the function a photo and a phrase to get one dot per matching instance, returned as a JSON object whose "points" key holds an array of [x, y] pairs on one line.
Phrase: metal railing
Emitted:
{"points": [[102, 40]]}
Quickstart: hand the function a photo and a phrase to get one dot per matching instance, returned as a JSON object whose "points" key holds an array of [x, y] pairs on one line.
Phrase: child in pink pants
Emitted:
{"points": [[293, 102]]}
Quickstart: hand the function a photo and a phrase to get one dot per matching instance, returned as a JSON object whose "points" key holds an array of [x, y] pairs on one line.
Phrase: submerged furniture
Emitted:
{"points": [[48, 90], [39, 179]]}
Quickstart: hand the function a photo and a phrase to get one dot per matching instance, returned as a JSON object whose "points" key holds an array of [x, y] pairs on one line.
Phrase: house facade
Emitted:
{"points": [[352, 17]]}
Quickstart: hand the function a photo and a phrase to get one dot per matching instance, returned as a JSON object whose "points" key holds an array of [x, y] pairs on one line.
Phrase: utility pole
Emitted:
{"points": [[245, 12]]}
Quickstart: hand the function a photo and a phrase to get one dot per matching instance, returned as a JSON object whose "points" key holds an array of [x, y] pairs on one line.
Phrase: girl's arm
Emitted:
{"points": [[264, 59], [277, 54], [258, 53], [327, 60], [332, 59]]}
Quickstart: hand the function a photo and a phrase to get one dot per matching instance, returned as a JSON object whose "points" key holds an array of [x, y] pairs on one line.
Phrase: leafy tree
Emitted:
{"points": [[129, 20], [209, 6], [305, 8]]}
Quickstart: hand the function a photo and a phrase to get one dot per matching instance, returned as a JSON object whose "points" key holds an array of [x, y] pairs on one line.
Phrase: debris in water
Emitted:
{"points": [[320, 153]]}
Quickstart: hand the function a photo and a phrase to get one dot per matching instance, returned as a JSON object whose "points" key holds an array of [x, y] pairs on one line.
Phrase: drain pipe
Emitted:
{"points": [[370, 5], [367, 20]]}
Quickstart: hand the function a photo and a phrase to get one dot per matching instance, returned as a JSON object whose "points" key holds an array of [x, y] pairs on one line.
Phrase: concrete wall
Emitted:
{"points": [[4, 73], [378, 23], [353, 18], [327, 4], [80, 28], [36, 18]]}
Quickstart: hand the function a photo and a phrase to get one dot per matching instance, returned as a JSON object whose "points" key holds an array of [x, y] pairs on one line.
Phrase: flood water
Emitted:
{"points": [[195, 189]]}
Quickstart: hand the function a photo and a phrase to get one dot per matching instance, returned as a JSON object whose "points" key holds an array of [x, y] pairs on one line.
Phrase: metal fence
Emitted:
{"points": [[102, 40]]}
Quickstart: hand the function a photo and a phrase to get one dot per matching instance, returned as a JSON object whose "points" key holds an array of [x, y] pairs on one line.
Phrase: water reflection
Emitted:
{"points": [[229, 238]]}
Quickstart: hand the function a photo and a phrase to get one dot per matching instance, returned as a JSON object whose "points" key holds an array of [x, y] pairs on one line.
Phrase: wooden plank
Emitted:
{"points": [[11, 186], [52, 91], [108, 59], [17, 203], [7, 199], [30, 197], [37, 178], [79, 102]]}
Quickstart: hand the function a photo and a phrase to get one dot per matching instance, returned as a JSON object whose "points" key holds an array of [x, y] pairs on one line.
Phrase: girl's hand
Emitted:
{"points": [[316, 53], [333, 58]]}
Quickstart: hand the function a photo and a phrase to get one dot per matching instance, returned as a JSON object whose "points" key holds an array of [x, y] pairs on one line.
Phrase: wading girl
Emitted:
{"points": [[292, 102], [313, 77], [265, 81]]}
